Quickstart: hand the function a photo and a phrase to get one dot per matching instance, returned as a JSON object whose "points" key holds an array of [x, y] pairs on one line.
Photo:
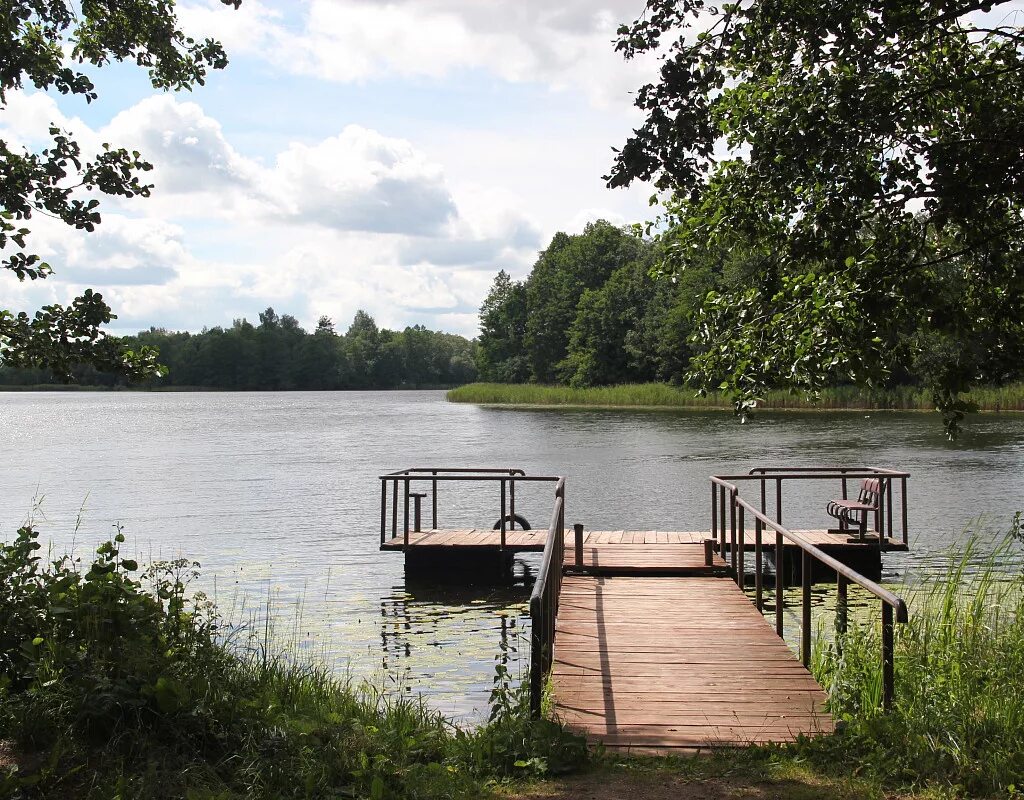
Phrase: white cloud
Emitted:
{"points": [[566, 45], [356, 220]]}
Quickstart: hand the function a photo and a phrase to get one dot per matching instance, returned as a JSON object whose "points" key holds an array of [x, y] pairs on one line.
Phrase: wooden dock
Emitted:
{"points": [[656, 641], [676, 664]]}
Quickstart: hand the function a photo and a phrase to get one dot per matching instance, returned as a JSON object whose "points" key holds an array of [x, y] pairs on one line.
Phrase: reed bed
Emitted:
{"points": [[957, 726], [663, 395]]}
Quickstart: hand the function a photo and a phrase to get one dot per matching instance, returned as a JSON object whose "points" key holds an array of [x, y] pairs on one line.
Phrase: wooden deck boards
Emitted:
{"points": [[533, 541], [662, 664]]}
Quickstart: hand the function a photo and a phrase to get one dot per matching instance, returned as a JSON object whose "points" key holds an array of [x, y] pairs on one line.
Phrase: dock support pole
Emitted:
{"points": [[578, 530], [805, 622], [841, 604], [887, 656], [780, 582], [709, 552]]}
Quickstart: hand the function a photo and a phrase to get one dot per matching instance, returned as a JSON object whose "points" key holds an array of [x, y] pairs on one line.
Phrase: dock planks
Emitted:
{"points": [[521, 541], [676, 663]]}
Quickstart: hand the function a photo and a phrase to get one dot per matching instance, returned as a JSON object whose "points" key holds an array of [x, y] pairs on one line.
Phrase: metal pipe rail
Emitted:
{"points": [[544, 601], [883, 522], [506, 476], [891, 603]]}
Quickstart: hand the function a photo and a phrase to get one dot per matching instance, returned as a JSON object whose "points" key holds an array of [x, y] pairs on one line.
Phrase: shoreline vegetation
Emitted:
{"points": [[118, 681], [663, 395]]}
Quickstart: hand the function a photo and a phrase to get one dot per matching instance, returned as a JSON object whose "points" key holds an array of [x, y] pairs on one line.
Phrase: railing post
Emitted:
{"points": [[714, 510], [503, 514], [780, 581], [842, 604], [721, 517], [417, 515], [406, 519], [394, 508], [512, 502], [778, 500], [764, 499], [434, 498], [758, 580], [888, 507], [741, 573], [383, 509], [732, 529], [887, 656], [805, 622], [578, 530], [903, 506], [537, 626]]}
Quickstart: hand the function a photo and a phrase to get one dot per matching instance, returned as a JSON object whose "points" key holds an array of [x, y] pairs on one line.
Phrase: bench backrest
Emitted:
{"points": [[870, 492]]}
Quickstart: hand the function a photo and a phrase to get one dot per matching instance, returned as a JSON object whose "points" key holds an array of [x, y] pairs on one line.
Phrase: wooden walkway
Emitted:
{"points": [[671, 664]]}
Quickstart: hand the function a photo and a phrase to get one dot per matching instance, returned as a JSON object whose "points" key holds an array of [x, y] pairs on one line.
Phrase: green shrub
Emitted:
{"points": [[115, 683]]}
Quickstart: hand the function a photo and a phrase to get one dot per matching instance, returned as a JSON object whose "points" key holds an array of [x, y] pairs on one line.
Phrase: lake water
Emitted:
{"points": [[276, 495]]}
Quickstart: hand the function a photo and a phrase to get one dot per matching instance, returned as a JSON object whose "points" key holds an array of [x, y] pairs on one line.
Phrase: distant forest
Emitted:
{"points": [[593, 312], [277, 354]]}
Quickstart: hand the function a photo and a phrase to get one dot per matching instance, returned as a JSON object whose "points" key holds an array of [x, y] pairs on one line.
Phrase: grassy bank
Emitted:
{"points": [[116, 682], [662, 395], [120, 684]]}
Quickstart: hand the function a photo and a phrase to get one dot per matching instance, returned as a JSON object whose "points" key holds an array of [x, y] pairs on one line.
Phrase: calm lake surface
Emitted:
{"points": [[276, 495]]}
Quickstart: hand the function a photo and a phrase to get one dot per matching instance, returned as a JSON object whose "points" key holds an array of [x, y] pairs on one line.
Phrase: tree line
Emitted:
{"points": [[594, 311], [278, 354]]}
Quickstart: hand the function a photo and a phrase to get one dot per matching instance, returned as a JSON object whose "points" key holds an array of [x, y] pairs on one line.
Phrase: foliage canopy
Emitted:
{"points": [[873, 152], [47, 45]]}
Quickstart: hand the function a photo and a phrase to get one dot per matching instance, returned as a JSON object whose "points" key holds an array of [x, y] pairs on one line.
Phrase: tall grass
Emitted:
{"points": [[958, 719], [116, 684], [663, 395]]}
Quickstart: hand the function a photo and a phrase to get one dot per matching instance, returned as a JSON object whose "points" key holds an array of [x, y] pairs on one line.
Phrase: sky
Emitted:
{"points": [[385, 156]]}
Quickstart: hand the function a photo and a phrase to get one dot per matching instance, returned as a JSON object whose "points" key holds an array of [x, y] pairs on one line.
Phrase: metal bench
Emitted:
{"points": [[853, 514]]}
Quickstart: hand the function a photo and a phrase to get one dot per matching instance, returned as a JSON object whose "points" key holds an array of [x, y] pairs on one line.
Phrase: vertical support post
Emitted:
{"points": [[764, 500], [805, 622], [578, 531], [383, 509], [511, 505], [417, 518], [537, 623], [714, 510], [887, 656], [394, 508], [903, 504], [741, 573], [503, 514], [732, 529], [778, 500], [758, 568], [709, 552], [845, 496], [888, 507], [434, 498], [405, 534], [721, 517], [842, 604], [780, 582]]}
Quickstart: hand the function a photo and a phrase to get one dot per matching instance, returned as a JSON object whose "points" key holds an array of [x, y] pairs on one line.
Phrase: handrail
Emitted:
{"points": [[883, 516], [506, 476], [544, 601], [891, 603]]}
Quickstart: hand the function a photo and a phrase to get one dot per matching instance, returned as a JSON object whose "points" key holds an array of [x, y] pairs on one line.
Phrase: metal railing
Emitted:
{"points": [[544, 601], [892, 606], [764, 475], [507, 477]]}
